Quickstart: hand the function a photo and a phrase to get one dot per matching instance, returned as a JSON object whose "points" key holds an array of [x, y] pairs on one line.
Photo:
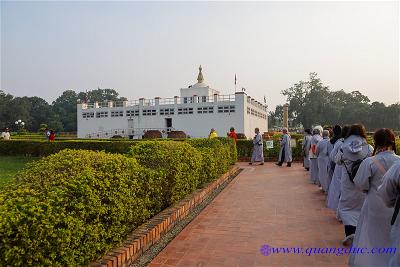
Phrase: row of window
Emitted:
{"points": [[191, 99], [165, 111], [256, 113]]}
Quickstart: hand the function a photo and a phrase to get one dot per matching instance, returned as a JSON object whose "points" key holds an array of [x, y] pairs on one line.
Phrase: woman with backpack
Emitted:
{"points": [[389, 192], [373, 228], [354, 149]]}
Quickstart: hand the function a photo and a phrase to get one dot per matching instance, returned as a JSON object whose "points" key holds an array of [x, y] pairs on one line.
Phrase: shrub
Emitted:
{"points": [[152, 134], [176, 134], [71, 207], [241, 136], [178, 161], [44, 148], [232, 148], [215, 157]]}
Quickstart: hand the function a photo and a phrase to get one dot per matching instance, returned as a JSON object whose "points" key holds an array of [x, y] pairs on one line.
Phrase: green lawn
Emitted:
{"points": [[10, 165]]}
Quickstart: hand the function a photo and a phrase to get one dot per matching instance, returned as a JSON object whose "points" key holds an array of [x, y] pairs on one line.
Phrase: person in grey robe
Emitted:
{"points": [[354, 148], [258, 148], [317, 132], [306, 149], [285, 152], [373, 228], [334, 188], [323, 161], [389, 192]]}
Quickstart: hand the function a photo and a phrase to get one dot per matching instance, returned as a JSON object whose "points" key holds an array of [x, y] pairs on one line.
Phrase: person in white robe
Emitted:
{"points": [[334, 187], [258, 148], [373, 228], [354, 148], [322, 152], [317, 136], [285, 152], [389, 192], [306, 148]]}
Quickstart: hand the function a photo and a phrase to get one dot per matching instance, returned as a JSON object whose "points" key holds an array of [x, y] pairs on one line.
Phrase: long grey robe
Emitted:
{"points": [[334, 188], [324, 163], [388, 191], [306, 150], [373, 228], [258, 153], [286, 145], [313, 159], [351, 199]]}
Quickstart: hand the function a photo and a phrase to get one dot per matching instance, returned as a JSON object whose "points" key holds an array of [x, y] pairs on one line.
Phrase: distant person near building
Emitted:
{"points": [[5, 135], [285, 153], [47, 134], [52, 136], [258, 151], [213, 134], [232, 134]]}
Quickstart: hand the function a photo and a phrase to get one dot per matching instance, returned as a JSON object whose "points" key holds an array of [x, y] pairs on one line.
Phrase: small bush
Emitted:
{"points": [[152, 134], [177, 134], [71, 207], [178, 161]]}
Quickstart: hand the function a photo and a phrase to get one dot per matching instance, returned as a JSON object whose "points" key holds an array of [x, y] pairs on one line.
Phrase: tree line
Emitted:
{"points": [[60, 115], [313, 103]]}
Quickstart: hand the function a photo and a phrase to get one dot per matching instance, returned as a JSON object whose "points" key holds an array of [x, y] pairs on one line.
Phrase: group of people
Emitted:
{"points": [[231, 134], [362, 184]]}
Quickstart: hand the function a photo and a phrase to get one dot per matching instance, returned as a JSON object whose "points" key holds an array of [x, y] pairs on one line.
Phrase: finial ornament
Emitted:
{"points": [[200, 78]]}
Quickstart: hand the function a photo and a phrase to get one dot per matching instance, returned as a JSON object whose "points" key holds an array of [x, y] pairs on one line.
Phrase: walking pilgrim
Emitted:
{"points": [[354, 148], [373, 228], [389, 192], [322, 152], [317, 131], [285, 152], [306, 149], [258, 153], [334, 187]]}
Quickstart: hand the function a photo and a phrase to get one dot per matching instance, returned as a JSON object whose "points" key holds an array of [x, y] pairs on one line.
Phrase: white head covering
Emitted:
{"points": [[319, 128]]}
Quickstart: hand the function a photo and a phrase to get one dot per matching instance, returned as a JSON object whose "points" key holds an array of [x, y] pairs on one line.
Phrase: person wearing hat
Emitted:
{"points": [[354, 148], [5, 135], [285, 152]]}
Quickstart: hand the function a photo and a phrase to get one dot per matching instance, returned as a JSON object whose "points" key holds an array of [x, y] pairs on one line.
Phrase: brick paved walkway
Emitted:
{"points": [[263, 205]]}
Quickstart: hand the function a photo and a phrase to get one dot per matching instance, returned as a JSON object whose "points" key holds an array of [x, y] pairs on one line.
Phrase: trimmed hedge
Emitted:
{"points": [[71, 207], [216, 157], [44, 148], [178, 161]]}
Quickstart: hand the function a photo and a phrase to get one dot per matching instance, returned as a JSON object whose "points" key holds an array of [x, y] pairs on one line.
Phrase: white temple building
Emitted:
{"points": [[198, 109]]}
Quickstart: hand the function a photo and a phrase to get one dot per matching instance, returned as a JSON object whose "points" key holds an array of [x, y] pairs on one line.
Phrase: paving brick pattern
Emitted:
{"points": [[262, 205]]}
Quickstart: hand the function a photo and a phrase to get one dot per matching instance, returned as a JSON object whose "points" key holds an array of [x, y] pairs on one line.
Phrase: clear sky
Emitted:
{"points": [[153, 49]]}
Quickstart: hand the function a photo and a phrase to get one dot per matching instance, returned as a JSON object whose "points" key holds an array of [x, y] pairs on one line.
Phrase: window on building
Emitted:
{"points": [[167, 111], [131, 113], [149, 112], [185, 110], [204, 99], [226, 109], [202, 110], [88, 115], [102, 114], [117, 113], [103, 104]]}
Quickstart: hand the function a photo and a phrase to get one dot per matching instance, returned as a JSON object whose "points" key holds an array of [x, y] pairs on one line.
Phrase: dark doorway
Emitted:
{"points": [[168, 122]]}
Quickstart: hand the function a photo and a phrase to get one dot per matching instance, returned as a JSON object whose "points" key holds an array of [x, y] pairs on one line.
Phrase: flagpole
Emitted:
{"points": [[235, 83]]}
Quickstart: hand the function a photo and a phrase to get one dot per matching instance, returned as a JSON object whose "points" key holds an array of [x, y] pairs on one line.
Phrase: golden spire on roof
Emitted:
{"points": [[200, 78]]}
